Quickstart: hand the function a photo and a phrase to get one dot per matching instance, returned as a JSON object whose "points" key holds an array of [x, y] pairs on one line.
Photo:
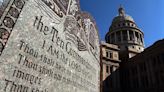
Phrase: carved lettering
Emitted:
{"points": [[14, 87], [27, 77]]}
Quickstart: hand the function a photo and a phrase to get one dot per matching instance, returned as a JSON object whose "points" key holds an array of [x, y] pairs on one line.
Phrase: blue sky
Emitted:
{"points": [[148, 15]]}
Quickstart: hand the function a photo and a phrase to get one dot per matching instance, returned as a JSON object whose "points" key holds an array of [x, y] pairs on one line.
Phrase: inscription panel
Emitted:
{"points": [[50, 46]]}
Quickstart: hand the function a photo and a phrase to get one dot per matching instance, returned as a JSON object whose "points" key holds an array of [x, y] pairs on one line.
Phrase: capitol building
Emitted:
{"points": [[126, 65]]}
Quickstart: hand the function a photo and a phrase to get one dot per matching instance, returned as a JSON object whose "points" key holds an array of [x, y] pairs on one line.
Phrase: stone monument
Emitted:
{"points": [[48, 46]]}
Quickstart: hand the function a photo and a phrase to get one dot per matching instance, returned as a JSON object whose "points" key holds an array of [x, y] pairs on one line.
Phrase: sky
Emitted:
{"points": [[148, 15]]}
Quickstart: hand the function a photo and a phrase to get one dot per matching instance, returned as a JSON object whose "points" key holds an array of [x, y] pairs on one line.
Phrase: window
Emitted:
{"points": [[115, 55], [112, 38], [124, 33], [137, 36], [109, 54], [141, 38], [123, 24], [128, 24], [118, 36], [131, 35], [107, 69], [108, 37], [111, 69], [115, 26], [133, 47], [132, 25], [139, 48]]}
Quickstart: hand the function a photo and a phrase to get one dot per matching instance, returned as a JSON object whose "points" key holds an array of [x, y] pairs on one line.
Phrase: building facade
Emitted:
{"points": [[126, 65], [144, 72], [110, 64]]}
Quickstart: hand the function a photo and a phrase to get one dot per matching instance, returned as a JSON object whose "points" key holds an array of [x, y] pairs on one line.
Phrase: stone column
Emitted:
{"points": [[110, 38], [115, 38], [121, 36], [128, 35], [142, 40], [114, 78], [134, 36], [139, 36]]}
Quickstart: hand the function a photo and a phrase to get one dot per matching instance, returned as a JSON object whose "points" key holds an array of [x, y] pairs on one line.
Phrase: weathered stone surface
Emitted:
{"points": [[48, 46]]}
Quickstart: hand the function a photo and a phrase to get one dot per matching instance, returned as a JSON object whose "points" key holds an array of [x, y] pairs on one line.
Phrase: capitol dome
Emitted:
{"points": [[124, 32]]}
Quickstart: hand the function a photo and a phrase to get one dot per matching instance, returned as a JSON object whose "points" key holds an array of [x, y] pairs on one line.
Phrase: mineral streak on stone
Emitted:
{"points": [[48, 46]]}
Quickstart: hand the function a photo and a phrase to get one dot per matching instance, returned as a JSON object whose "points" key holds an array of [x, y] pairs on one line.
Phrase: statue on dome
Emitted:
{"points": [[121, 11]]}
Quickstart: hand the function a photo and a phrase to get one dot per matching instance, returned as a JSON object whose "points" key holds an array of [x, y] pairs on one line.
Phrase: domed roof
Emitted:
{"points": [[122, 16]]}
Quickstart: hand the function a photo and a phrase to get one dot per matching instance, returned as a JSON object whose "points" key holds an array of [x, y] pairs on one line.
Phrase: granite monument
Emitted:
{"points": [[48, 46]]}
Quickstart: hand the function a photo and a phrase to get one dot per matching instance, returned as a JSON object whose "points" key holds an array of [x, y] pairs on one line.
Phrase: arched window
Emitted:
{"points": [[123, 24], [131, 36], [112, 38], [118, 36], [124, 33]]}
